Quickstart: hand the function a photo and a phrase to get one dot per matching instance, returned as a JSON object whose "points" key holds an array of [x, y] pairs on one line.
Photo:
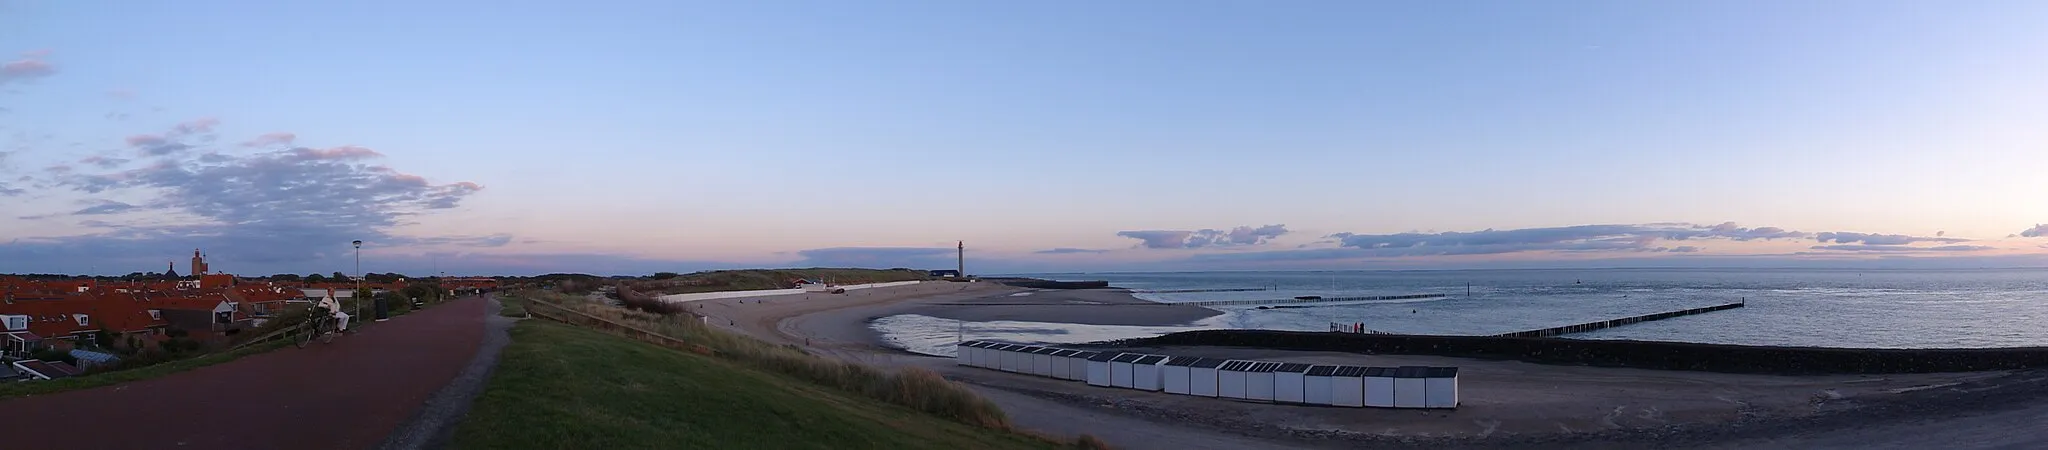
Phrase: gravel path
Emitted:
{"points": [[349, 394], [433, 426]]}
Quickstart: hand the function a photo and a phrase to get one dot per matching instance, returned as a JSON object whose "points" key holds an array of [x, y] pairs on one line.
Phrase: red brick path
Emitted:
{"points": [[345, 395]]}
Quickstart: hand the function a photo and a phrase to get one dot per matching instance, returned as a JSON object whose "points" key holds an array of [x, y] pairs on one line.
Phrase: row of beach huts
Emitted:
{"points": [[1296, 383]]}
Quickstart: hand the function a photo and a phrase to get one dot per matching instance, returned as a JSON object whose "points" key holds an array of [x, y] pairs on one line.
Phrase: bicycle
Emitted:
{"points": [[320, 325]]}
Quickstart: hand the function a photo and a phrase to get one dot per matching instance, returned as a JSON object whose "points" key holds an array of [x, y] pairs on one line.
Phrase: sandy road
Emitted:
{"points": [[835, 325]]}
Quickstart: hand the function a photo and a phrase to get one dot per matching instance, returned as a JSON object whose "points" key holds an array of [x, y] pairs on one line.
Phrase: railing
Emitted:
{"points": [[565, 315], [287, 331]]}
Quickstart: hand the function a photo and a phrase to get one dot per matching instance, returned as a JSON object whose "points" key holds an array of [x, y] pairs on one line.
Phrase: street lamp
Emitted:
{"points": [[359, 278]]}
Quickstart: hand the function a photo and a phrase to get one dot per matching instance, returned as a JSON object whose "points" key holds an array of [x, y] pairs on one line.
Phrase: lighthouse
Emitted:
{"points": [[962, 268]]}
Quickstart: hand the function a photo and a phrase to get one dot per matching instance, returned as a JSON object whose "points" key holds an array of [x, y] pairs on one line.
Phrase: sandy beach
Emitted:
{"points": [[1507, 403]]}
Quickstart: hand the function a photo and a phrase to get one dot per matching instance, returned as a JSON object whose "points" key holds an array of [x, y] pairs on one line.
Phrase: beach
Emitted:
{"points": [[1507, 403]]}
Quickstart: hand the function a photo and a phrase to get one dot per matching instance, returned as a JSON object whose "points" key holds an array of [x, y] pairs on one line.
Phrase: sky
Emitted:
{"points": [[627, 137]]}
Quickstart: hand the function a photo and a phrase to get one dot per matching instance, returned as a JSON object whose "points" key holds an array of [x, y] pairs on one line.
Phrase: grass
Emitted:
{"points": [[918, 389], [758, 279], [559, 386], [511, 306]]}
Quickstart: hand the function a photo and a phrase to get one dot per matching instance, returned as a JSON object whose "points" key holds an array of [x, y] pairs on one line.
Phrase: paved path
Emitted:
{"points": [[350, 394]]}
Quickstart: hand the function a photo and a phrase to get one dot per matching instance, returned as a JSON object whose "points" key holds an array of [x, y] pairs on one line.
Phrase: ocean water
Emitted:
{"points": [[1803, 307]]}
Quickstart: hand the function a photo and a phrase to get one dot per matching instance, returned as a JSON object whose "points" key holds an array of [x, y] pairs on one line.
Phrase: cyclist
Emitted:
{"points": [[334, 307]]}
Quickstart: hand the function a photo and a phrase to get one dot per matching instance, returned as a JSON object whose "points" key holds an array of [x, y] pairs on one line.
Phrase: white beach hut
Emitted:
{"points": [[1025, 359], [1258, 381], [1410, 383], [1288, 383], [1006, 356], [991, 355], [1230, 379], [1174, 374], [1018, 359], [1202, 376], [1098, 368], [1057, 367], [1379, 387], [1041, 361], [1316, 386], [1120, 370], [1062, 364], [1347, 387], [1147, 373], [963, 353], [970, 353], [1077, 365], [986, 356], [1440, 388]]}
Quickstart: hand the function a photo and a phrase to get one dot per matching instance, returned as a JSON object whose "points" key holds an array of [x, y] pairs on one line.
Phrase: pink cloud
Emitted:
{"points": [[337, 153], [142, 140], [30, 66], [269, 139], [407, 180], [201, 125]]}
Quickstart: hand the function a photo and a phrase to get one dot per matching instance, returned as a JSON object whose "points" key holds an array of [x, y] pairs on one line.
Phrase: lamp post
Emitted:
{"points": [[359, 278]]}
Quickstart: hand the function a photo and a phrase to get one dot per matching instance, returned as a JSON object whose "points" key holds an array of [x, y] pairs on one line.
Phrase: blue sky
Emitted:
{"points": [[628, 137]]}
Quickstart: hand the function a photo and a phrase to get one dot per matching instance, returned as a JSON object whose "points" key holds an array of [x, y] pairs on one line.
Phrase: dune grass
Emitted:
{"points": [[559, 386], [918, 389]]}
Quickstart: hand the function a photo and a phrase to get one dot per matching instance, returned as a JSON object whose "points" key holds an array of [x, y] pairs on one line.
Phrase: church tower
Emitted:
{"points": [[198, 263]]}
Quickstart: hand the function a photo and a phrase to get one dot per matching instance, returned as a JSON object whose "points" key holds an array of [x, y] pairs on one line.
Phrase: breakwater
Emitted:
{"points": [[1289, 301], [1605, 324], [1049, 284], [1187, 291], [1620, 353]]}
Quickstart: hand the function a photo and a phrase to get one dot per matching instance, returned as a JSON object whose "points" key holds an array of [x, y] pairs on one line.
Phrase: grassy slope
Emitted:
{"points": [[756, 279], [563, 387]]}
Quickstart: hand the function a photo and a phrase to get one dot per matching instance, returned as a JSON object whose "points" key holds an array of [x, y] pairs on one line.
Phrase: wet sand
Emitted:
{"points": [[1505, 403]]}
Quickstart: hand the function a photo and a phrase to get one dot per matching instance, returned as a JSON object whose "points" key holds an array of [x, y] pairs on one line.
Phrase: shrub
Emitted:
{"points": [[637, 301], [177, 346], [139, 359], [51, 354]]}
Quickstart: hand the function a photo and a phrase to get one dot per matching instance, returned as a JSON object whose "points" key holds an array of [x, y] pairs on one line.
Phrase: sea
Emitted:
{"points": [[1981, 308]]}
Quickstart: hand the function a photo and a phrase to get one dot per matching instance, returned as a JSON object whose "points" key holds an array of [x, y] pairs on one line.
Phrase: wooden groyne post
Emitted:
{"points": [[1285, 301], [1605, 324], [1183, 291]]}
